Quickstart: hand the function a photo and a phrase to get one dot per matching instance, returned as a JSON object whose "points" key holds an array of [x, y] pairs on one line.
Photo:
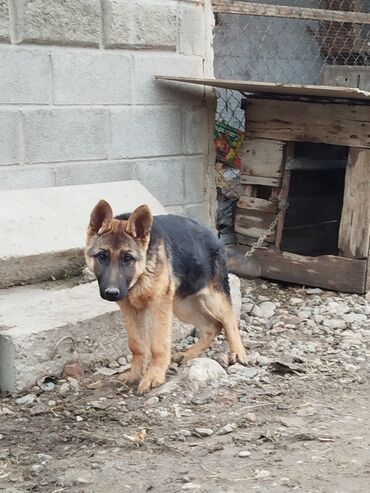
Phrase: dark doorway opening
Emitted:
{"points": [[316, 189]]}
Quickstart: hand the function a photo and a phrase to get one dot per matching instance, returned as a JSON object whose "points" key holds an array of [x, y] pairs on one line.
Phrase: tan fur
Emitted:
{"points": [[151, 299]]}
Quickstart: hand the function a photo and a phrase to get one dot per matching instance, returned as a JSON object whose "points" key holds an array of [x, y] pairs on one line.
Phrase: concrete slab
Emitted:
{"points": [[43, 328], [45, 228]]}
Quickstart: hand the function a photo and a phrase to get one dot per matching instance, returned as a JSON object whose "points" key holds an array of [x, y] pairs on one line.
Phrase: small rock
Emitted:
{"points": [[295, 301], [79, 419], [191, 487], [262, 473], [334, 323], [73, 383], [251, 417], [203, 432], [95, 385], [38, 409], [73, 370], [106, 372], [26, 400], [64, 389], [44, 457], [114, 364], [313, 291], [4, 453], [203, 371], [257, 312], [152, 400], [229, 428], [268, 309], [244, 453], [122, 361]]}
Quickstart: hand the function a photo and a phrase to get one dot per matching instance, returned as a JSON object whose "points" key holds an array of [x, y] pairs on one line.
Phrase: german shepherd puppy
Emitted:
{"points": [[156, 267]]}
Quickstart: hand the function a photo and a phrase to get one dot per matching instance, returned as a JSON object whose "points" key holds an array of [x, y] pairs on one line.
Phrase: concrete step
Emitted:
{"points": [[43, 230], [45, 326], [34, 319]]}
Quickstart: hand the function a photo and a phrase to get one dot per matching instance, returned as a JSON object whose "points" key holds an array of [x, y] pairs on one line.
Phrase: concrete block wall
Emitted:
{"points": [[79, 102]]}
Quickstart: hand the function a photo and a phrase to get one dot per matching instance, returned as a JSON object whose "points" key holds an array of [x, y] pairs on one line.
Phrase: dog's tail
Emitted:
{"points": [[237, 263]]}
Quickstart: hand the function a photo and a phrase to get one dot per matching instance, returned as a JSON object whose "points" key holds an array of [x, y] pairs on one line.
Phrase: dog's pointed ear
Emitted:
{"points": [[140, 223], [101, 214]]}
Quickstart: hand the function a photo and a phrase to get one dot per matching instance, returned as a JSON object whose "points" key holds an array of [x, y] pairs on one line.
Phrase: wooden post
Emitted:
{"points": [[354, 232]]}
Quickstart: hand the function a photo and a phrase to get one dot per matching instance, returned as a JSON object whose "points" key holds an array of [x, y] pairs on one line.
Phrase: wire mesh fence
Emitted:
{"points": [[288, 41]]}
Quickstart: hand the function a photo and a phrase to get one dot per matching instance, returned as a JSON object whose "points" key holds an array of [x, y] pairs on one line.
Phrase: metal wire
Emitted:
{"points": [[288, 50]]}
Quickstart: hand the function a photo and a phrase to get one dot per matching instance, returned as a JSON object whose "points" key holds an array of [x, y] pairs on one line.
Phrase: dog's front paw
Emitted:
{"points": [[130, 377], [239, 356], [154, 377]]}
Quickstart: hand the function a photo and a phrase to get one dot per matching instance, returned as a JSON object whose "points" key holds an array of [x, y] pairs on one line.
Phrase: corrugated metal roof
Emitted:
{"points": [[251, 87]]}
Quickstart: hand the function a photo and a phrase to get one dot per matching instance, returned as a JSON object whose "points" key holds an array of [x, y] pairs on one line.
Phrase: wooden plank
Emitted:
{"points": [[262, 157], [247, 86], [354, 230], [256, 204], [297, 121], [287, 12], [328, 271], [260, 180], [283, 195], [253, 223]]}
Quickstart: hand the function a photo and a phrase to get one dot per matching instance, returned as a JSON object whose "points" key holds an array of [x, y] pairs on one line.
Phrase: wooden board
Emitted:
{"points": [[288, 12], [257, 204], [248, 86], [328, 271], [262, 157], [354, 233], [253, 223], [341, 124], [260, 180]]}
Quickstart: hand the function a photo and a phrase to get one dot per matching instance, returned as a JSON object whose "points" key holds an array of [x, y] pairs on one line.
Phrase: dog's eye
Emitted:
{"points": [[127, 259], [101, 257]]}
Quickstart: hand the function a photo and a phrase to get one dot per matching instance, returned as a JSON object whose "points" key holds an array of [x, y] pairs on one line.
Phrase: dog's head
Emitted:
{"points": [[116, 249]]}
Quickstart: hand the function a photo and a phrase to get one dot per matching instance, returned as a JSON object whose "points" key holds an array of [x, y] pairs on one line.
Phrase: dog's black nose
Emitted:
{"points": [[112, 294]]}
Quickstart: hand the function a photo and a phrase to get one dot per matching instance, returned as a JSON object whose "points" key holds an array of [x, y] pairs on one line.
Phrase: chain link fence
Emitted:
{"points": [[312, 50]]}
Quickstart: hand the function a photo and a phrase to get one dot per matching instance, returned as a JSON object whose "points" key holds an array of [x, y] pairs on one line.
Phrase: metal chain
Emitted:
{"points": [[282, 206]]}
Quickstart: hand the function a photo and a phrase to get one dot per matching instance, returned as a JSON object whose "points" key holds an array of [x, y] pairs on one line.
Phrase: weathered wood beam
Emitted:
{"points": [[256, 9]]}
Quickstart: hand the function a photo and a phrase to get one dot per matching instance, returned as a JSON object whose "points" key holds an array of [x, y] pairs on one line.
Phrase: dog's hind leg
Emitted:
{"points": [[192, 310]]}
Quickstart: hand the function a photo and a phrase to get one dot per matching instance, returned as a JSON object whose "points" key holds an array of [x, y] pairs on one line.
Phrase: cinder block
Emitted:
{"points": [[20, 177], [146, 131], [66, 135], [86, 78], [149, 90], [139, 24], [25, 76], [98, 172], [191, 38], [194, 178], [179, 210], [196, 139], [163, 178], [9, 137], [4, 20], [199, 212], [65, 22]]}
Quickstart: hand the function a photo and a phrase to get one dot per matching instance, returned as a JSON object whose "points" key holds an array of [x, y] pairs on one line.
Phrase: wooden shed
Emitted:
{"points": [[308, 147]]}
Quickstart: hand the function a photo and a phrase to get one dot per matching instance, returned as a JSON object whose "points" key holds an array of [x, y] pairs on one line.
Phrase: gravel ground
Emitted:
{"points": [[295, 419]]}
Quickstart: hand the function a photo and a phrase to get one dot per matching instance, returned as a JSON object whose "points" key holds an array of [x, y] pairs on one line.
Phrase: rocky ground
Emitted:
{"points": [[295, 419]]}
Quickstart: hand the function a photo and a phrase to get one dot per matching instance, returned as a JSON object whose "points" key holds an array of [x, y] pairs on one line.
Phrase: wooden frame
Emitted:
{"points": [[286, 12]]}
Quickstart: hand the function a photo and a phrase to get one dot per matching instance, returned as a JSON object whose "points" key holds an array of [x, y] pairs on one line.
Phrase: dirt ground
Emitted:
{"points": [[288, 422]]}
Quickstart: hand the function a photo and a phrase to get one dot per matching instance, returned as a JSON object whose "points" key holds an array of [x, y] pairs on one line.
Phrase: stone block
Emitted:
{"points": [[39, 340], [199, 212], [146, 131], [139, 24], [194, 170], [9, 137], [98, 172], [149, 90], [66, 134], [25, 76], [64, 22], [91, 78], [21, 177], [53, 224], [196, 139], [4, 20], [191, 38], [163, 178]]}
